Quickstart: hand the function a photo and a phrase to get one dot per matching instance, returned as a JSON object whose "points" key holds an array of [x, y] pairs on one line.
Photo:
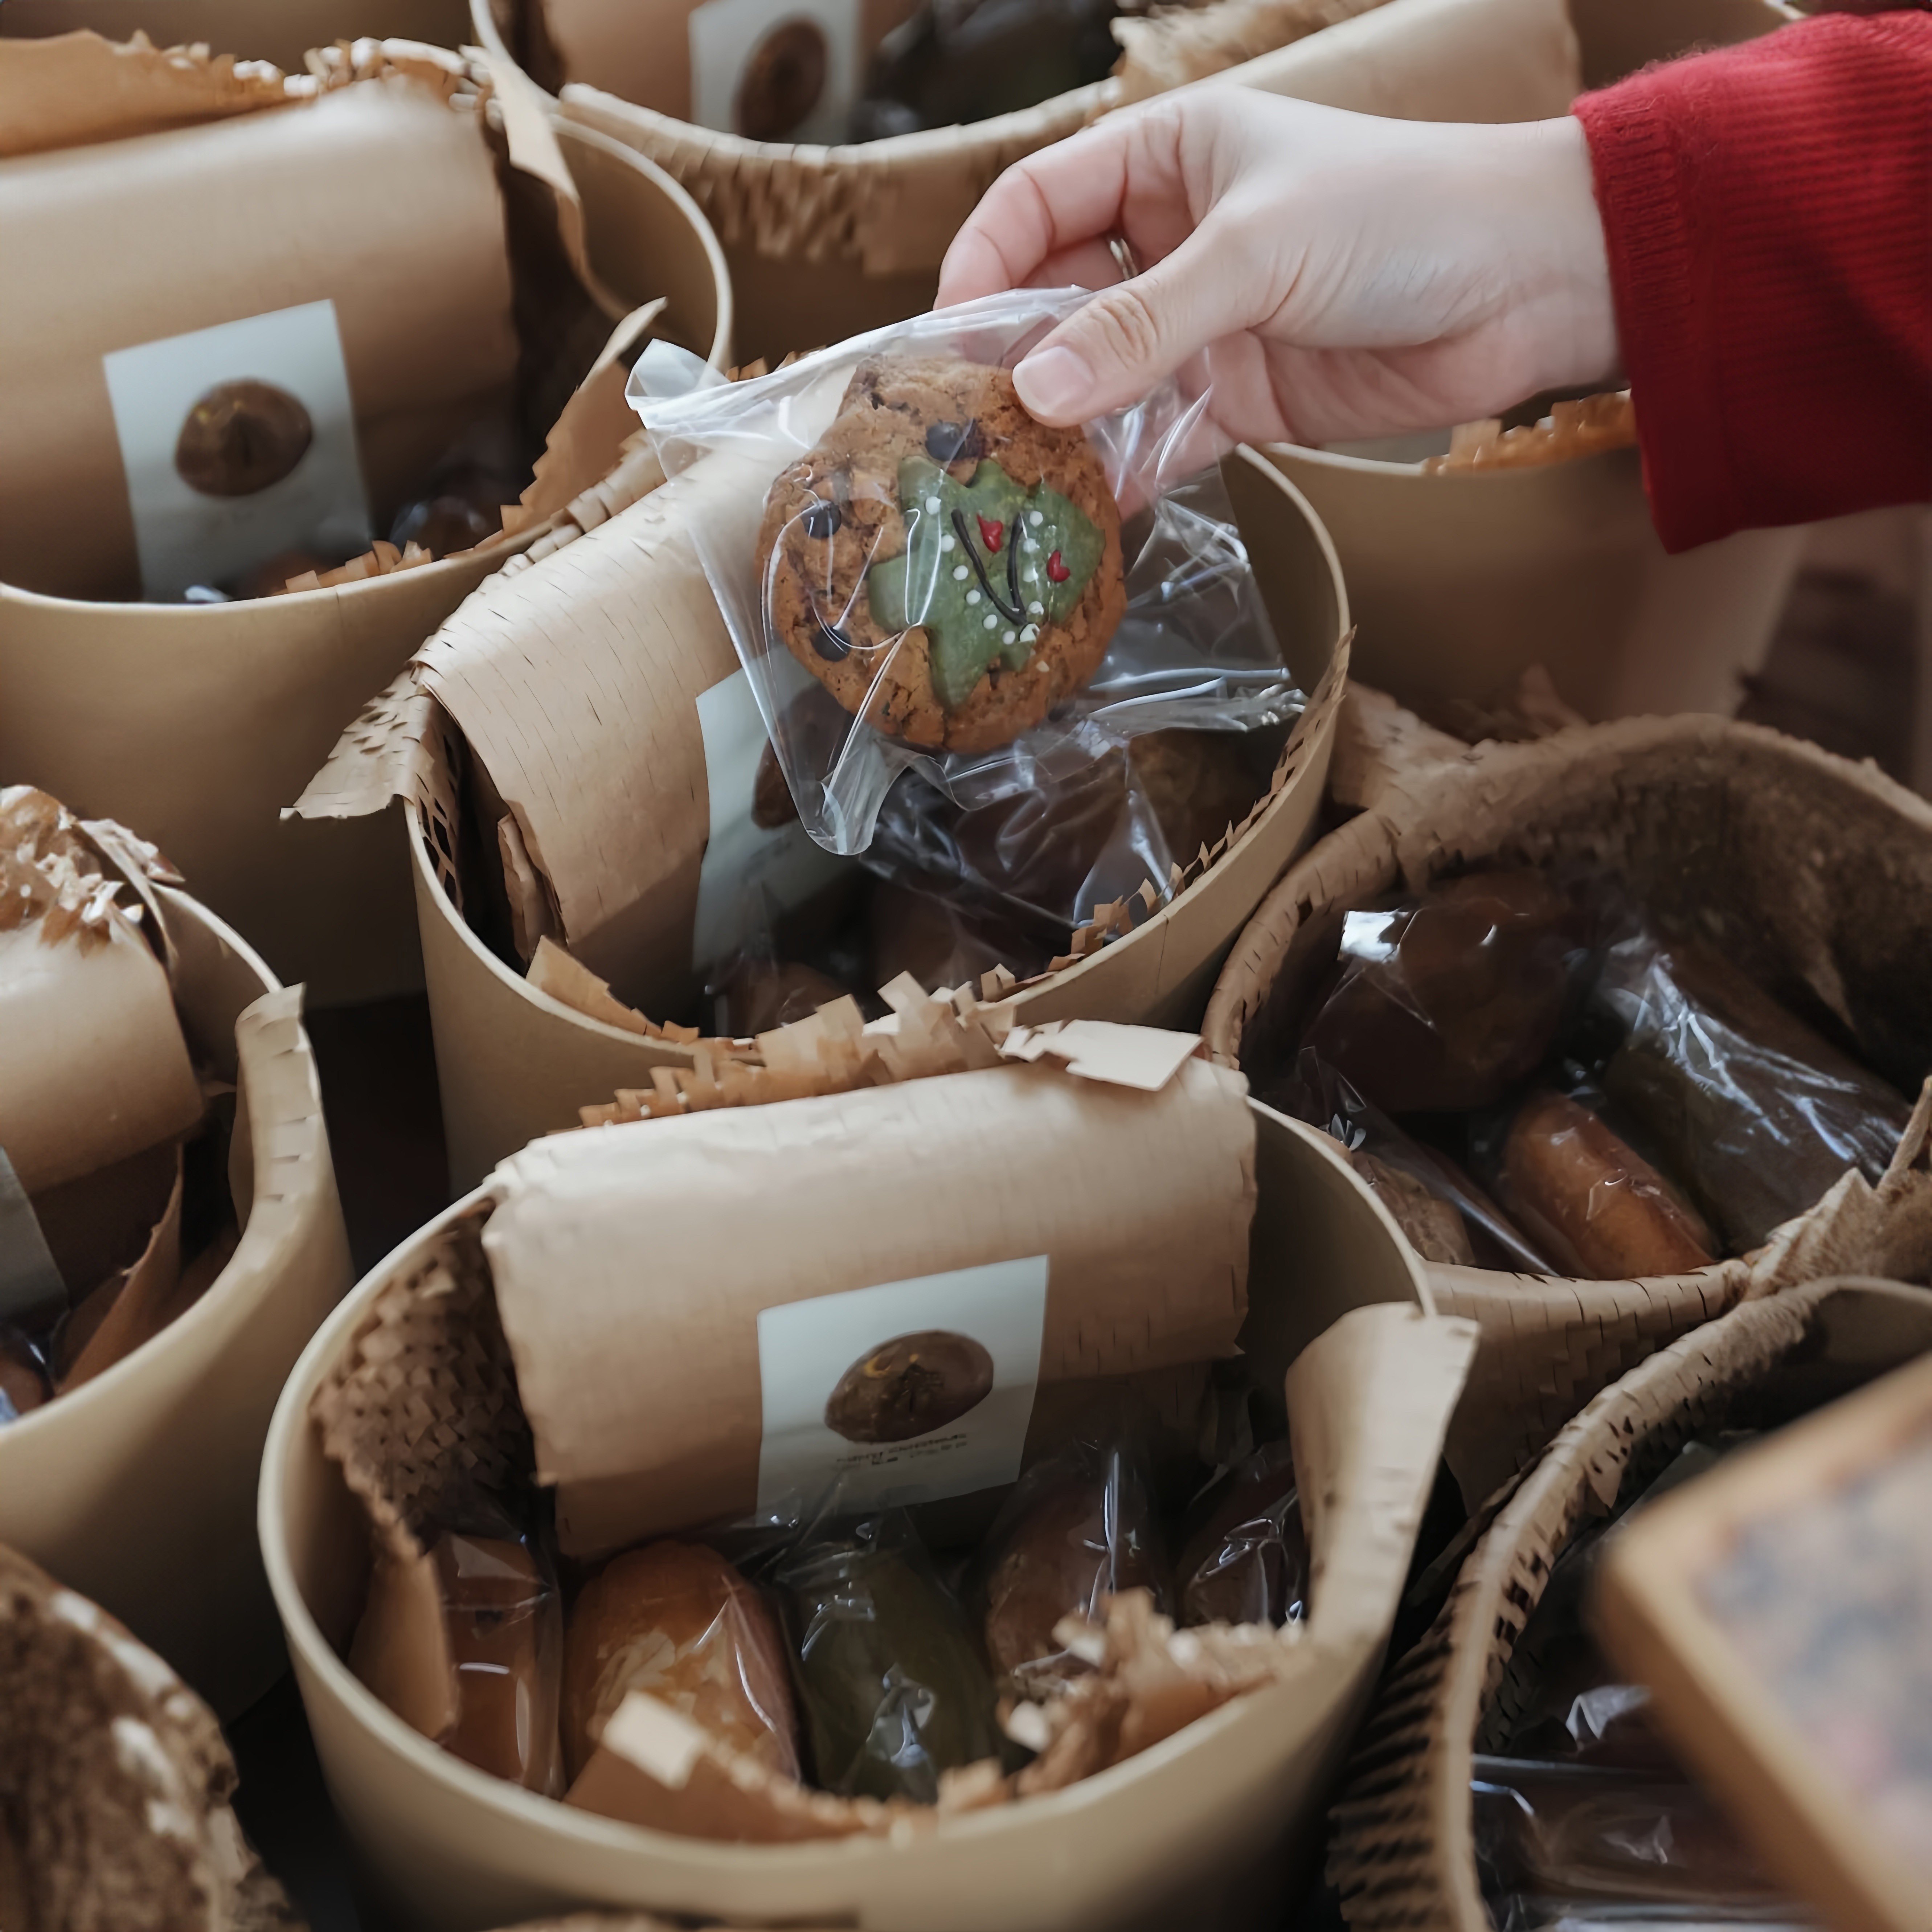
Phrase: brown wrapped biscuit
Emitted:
{"points": [[503, 1618], [677, 1621], [1591, 1202], [1457, 997], [947, 568], [1077, 1530]]}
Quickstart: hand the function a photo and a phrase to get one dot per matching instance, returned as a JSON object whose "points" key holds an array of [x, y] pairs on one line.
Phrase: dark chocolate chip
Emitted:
{"points": [[955, 442], [828, 641], [821, 519]]}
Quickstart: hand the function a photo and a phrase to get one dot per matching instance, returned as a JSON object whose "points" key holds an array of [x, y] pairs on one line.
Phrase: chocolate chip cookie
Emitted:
{"points": [[947, 568]]}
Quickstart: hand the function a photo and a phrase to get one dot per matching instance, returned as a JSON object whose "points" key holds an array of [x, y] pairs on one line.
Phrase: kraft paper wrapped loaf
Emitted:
{"points": [[384, 201], [631, 1263]]}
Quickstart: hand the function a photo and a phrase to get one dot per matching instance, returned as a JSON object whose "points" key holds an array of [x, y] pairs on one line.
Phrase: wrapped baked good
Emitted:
{"points": [[952, 577], [677, 1621], [504, 1620], [1079, 1528], [1446, 1216], [1246, 1561], [889, 1683], [1758, 1115], [1589, 1200], [1445, 1004]]}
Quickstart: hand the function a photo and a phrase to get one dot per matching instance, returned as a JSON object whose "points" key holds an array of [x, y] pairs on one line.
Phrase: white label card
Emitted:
{"points": [[749, 873], [185, 535], [906, 1393], [728, 38]]}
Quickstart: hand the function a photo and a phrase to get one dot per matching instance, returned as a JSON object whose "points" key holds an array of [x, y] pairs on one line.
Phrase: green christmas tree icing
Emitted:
{"points": [[985, 564]]}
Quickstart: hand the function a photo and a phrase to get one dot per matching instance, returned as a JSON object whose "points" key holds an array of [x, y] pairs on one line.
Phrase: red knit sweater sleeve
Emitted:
{"points": [[1768, 214]]}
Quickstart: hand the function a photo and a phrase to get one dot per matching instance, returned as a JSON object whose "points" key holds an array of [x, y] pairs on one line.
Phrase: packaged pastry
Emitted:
{"points": [[1078, 1529], [1758, 1114], [1446, 1216], [1589, 1200], [1447, 1002], [915, 572], [890, 1682], [676, 1620], [1246, 1561], [504, 1620]]}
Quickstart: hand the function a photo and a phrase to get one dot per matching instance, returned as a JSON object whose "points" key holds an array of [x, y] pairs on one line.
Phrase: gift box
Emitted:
{"points": [[1212, 1819], [1814, 876], [190, 718]]}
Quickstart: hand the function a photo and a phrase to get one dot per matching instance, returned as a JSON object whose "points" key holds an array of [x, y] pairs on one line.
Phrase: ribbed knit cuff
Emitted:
{"points": [[1646, 195]]}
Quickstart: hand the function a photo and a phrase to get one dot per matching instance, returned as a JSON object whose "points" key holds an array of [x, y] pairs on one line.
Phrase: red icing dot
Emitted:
{"points": [[1056, 569], [991, 534]]}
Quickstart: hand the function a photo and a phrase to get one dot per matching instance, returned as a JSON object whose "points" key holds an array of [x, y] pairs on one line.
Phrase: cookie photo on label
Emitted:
{"points": [[909, 1386]]}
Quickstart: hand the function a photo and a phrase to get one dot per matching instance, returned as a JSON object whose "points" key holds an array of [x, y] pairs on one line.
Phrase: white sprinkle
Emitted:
{"points": [[1028, 544], [1031, 631], [992, 622], [1013, 636], [945, 543], [972, 597], [1036, 517], [960, 573], [1038, 609], [932, 506]]}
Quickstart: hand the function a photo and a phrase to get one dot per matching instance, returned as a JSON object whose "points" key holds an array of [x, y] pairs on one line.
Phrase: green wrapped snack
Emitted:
{"points": [[892, 1690], [1755, 1114]]}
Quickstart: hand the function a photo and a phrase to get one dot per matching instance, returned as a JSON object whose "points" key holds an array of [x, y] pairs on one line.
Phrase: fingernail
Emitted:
{"points": [[1055, 383]]}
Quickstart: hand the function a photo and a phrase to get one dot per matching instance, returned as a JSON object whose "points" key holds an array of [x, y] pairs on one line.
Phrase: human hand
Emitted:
{"points": [[1345, 276]]}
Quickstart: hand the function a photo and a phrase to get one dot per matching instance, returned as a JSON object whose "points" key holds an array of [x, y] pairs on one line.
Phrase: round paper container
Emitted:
{"points": [[450, 1848], [1849, 849], [1461, 583], [136, 1489], [198, 724], [1402, 1849], [513, 1063]]}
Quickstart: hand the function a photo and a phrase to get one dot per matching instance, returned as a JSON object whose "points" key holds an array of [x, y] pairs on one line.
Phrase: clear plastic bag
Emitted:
{"points": [[891, 1687], [676, 1620], [1246, 1561], [1080, 1527], [1586, 1197], [1446, 1216], [893, 508], [1448, 1001], [1757, 1115], [504, 1618]]}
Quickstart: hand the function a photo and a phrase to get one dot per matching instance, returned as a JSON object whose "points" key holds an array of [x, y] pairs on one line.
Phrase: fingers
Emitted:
{"points": [[1128, 338], [1051, 203]]}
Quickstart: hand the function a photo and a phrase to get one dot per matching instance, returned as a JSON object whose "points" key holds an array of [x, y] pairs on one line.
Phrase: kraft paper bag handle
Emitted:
{"points": [[534, 150]]}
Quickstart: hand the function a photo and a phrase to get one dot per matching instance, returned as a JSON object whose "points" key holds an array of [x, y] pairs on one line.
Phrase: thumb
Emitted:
{"points": [[1115, 349]]}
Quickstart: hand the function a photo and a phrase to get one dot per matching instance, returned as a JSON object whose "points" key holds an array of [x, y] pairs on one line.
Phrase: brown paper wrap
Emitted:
{"points": [[1173, 46], [1158, 1226], [116, 1777], [1817, 873], [93, 1067], [129, 240], [1402, 1852]]}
